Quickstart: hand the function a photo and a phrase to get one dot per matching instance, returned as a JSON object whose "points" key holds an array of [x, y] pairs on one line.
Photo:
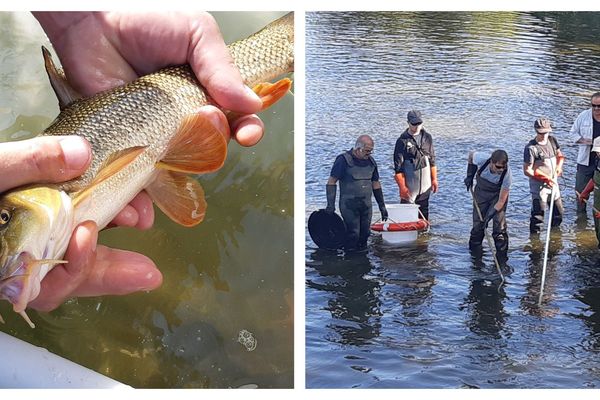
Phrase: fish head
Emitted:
{"points": [[35, 227]]}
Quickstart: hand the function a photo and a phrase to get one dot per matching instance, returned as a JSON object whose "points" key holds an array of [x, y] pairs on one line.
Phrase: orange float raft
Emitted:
{"points": [[418, 225]]}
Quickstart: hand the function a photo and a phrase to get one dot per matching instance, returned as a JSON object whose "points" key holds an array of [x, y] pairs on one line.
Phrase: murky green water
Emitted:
{"points": [[428, 315], [231, 273]]}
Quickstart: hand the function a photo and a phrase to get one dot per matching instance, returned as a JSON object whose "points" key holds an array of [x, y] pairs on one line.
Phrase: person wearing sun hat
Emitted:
{"points": [[543, 164]]}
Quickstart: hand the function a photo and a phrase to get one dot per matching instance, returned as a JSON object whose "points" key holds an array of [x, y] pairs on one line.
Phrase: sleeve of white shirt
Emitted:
{"points": [[479, 158], [575, 132]]}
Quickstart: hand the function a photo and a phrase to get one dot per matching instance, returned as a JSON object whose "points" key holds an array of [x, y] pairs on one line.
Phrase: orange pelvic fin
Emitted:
{"points": [[180, 197], [198, 147]]}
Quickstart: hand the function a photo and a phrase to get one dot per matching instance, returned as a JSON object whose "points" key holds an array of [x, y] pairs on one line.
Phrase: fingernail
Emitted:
{"points": [[76, 152], [251, 93]]}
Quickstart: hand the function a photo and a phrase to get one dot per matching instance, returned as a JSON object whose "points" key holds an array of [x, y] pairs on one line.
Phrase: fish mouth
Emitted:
{"points": [[23, 284]]}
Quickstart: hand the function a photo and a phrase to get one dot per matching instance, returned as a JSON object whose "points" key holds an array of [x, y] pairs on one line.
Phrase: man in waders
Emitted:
{"points": [[357, 174], [414, 164], [543, 164], [594, 185], [586, 128], [491, 195]]}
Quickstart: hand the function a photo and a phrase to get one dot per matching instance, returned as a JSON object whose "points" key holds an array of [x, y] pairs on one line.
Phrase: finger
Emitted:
{"points": [[145, 210], [119, 272], [248, 130], [128, 216], [60, 283], [139, 213], [215, 69], [217, 118], [43, 159]]}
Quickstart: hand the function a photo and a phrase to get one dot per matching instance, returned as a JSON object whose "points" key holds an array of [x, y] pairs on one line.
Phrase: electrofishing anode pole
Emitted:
{"points": [[487, 236], [544, 265]]}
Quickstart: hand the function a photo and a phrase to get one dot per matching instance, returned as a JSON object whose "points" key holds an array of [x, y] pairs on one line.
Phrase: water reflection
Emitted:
{"points": [[485, 309], [535, 249], [352, 297]]}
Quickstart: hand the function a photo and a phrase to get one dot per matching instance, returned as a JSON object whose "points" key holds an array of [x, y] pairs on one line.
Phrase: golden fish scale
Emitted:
{"points": [[147, 111]]}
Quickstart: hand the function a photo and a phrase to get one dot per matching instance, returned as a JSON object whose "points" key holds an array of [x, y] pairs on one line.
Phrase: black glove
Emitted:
{"points": [[471, 171], [489, 215], [330, 191], [384, 213], [378, 193]]}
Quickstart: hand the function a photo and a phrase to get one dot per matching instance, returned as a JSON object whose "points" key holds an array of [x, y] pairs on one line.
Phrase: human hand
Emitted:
{"points": [[101, 50], [585, 193], [90, 271], [542, 177], [489, 215], [384, 213], [95, 271], [559, 171], [434, 186], [404, 193]]}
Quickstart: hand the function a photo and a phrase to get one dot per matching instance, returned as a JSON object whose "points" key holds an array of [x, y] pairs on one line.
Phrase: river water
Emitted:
{"points": [[427, 315], [232, 275]]}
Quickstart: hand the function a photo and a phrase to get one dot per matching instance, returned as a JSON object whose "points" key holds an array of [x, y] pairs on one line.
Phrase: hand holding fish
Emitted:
{"points": [[151, 134], [102, 50], [89, 271]]}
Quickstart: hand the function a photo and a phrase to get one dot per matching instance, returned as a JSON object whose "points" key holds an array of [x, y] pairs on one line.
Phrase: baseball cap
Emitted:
{"points": [[542, 125], [414, 117]]}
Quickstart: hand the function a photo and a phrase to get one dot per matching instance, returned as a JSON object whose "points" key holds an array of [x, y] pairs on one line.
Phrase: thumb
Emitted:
{"points": [[43, 159]]}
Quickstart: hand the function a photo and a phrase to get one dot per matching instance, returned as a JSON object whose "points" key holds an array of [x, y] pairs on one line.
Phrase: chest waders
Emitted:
{"points": [[596, 211], [486, 194], [541, 194], [356, 189], [417, 173]]}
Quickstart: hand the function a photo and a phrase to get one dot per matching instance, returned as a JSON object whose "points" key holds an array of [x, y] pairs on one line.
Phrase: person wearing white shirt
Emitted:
{"points": [[587, 128]]}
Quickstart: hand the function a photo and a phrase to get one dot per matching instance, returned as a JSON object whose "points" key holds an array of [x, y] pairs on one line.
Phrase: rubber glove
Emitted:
{"points": [[585, 194], [404, 193], [330, 190], [471, 171], [378, 193]]}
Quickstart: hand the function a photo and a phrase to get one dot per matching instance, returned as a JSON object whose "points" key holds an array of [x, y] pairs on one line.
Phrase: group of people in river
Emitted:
{"points": [[488, 179]]}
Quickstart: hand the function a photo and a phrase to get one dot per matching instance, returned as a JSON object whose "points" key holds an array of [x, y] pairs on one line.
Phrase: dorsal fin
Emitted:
{"points": [[113, 164], [198, 147], [63, 90], [180, 197]]}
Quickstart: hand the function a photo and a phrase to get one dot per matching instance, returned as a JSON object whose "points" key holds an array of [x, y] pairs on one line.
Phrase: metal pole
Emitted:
{"points": [[544, 265], [489, 239]]}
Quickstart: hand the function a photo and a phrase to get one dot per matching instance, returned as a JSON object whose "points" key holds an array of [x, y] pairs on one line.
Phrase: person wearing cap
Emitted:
{"points": [[491, 195], [593, 185], [414, 164], [586, 128], [357, 173], [543, 164]]}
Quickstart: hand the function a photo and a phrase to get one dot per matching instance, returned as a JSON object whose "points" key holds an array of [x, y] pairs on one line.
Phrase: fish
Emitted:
{"points": [[145, 135]]}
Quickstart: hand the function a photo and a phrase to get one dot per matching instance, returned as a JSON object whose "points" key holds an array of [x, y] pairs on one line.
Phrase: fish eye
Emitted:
{"points": [[4, 217]]}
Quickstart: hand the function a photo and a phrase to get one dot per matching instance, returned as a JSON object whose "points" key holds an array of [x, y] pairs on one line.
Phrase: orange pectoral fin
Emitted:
{"points": [[270, 93], [197, 147], [180, 197], [113, 164]]}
